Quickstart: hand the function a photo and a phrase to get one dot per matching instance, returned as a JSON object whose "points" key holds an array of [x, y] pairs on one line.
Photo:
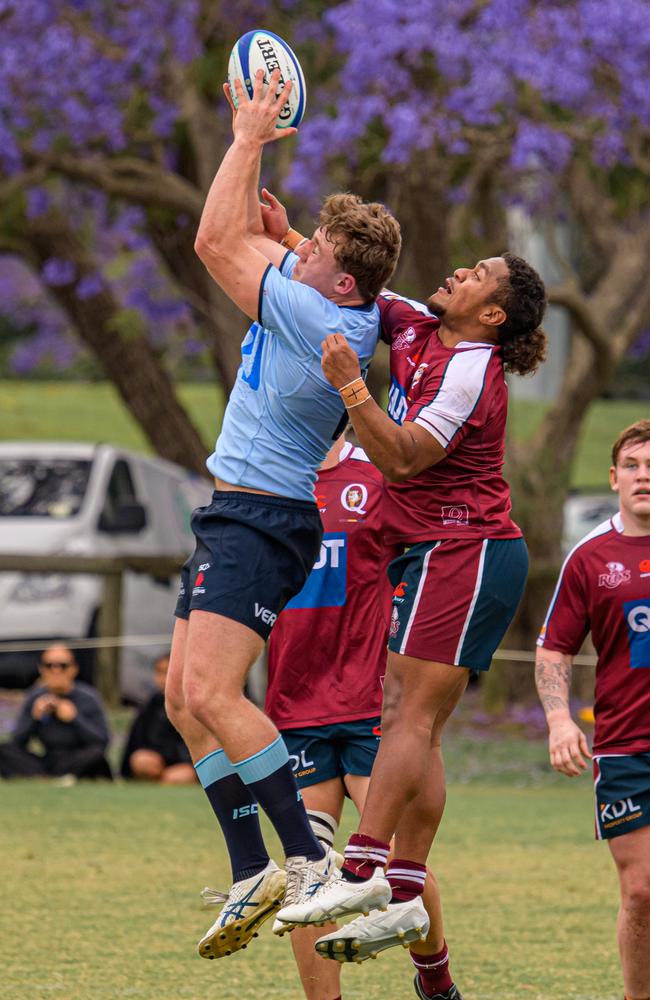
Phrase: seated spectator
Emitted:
{"points": [[68, 719], [154, 749]]}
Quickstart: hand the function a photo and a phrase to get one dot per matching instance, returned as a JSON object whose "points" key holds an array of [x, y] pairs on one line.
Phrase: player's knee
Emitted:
{"points": [[175, 707], [636, 891], [204, 700], [634, 875]]}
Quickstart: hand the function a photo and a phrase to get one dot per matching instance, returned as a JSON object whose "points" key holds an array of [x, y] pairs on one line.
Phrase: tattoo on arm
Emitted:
{"points": [[553, 680]]}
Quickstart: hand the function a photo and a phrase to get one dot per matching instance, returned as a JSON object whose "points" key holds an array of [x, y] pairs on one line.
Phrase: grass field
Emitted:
{"points": [[73, 411], [101, 890]]}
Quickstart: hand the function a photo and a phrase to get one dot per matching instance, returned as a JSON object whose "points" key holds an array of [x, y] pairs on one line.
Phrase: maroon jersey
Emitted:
{"points": [[327, 651], [460, 396], [605, 586]]}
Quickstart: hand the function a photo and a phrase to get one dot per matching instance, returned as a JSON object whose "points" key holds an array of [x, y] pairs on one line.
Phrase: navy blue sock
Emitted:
{"points": [[269, 777], [237, 812]]}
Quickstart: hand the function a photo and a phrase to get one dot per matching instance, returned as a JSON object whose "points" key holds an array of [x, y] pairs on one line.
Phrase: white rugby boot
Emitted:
{"points": [[245, 908], [338, 897], [365, 937], [304, 879]]}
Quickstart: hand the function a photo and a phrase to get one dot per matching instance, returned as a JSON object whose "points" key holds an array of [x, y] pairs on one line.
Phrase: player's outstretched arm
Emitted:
{"points": [[258, 234], [566, 741], [221, 241], [398, 452]]}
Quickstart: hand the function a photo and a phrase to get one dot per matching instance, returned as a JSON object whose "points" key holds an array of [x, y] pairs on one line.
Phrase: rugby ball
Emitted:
{"points": [[260, 49]]}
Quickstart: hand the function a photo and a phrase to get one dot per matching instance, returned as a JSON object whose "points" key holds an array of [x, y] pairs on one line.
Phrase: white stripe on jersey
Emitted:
{"points": [[418, 306], [459, 392], [600, 529], [470, 612]]}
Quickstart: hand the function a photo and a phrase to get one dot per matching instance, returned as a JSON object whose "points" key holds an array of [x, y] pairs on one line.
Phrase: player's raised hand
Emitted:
{"points": [[340, 364], [228, 96], [257, 116], [568, 747], [274, 216]]}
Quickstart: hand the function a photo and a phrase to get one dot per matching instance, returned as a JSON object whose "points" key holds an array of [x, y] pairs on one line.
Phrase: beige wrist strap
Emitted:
{"points": [[354, 393], [291, 239]]}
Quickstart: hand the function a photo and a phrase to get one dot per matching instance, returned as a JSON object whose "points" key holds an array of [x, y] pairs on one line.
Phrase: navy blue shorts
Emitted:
{"points": [[253, 554], [622, 787], [320, 753]]}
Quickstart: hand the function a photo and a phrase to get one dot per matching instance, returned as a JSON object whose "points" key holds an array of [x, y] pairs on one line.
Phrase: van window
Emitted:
{"points": [[120, 490], [42, 487]]}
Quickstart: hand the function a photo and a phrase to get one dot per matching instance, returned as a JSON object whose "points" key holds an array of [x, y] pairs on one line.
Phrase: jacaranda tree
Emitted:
{"points": [[452, 111]]}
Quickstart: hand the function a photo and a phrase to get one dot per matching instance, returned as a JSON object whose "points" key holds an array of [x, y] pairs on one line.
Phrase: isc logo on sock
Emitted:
{"points": [[243, 811], [326, 585]]}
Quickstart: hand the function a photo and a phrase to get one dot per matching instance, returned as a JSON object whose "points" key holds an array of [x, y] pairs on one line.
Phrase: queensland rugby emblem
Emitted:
{"points": [[354, 498], [404, 339], [616, 575]]}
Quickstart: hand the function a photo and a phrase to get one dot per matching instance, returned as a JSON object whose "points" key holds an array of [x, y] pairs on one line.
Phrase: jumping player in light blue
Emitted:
{"points": [[258, 539]]}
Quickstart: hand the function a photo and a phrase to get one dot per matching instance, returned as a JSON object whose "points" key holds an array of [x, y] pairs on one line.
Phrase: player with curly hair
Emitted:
{"points": [[457, 582]]}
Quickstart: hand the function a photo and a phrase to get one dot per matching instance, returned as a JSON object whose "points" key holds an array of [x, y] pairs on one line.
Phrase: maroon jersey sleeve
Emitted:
{"points": [[397, 313], [567, 620], [461, 399]]}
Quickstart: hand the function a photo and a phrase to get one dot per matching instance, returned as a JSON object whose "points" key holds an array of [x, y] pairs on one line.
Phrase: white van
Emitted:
{"points": [[94, 500]]}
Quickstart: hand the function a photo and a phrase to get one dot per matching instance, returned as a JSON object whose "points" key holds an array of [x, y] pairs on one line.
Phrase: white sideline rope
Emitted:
{"points": [[109, 642]]}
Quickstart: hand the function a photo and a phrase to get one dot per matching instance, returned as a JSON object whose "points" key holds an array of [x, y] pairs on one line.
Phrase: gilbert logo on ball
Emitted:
{"points": [[260, 49]]}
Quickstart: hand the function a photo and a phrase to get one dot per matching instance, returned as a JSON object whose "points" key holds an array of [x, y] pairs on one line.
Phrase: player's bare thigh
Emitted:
{"points": [[219, 653], [631, 854], [418, 692]]}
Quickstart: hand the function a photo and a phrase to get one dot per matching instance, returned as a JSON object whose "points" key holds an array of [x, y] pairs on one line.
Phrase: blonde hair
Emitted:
{"points": [[367, 240]]}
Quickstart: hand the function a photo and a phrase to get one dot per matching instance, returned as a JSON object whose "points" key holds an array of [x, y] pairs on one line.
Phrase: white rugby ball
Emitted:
{"points": [[260, 49]]}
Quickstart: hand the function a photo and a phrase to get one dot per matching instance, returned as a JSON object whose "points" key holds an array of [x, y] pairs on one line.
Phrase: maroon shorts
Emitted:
{"points": [[454, 599]]}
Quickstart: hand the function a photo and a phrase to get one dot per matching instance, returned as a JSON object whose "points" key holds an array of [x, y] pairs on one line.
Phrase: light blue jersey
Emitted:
{"points": [[283, 413]]}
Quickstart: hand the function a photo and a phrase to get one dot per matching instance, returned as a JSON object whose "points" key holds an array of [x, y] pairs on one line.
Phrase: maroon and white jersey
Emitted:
{"points": [[327, 651], [460, 396], [604, 586]]}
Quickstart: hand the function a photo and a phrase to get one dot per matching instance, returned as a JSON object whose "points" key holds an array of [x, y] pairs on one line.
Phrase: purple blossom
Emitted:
{"points": [[89, 285], [39, 201], [58, 272]]}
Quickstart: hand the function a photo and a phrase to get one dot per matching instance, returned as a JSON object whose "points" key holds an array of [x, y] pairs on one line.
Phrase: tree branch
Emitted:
{"points": [[17, 183], [569, 296], [126, 177]]}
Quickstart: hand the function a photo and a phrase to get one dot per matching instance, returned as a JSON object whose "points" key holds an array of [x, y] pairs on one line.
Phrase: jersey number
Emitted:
{"points": [[253, 347], [397, 404]]}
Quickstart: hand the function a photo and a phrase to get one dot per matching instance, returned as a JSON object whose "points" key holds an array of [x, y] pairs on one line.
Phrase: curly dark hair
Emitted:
{"points": [[522, 297]]}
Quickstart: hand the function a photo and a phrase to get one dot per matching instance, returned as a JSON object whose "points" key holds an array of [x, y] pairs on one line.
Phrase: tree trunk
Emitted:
{"points": [[127, 357]]}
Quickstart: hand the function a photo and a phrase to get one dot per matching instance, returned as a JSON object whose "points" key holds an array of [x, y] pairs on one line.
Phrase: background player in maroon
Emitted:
{"points": [[464, 565], [604, 587], [325, 696]]}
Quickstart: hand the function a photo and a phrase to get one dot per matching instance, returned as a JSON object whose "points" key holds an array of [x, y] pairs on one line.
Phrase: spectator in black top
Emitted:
{"points": [[68, 719], [154, 749]]}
